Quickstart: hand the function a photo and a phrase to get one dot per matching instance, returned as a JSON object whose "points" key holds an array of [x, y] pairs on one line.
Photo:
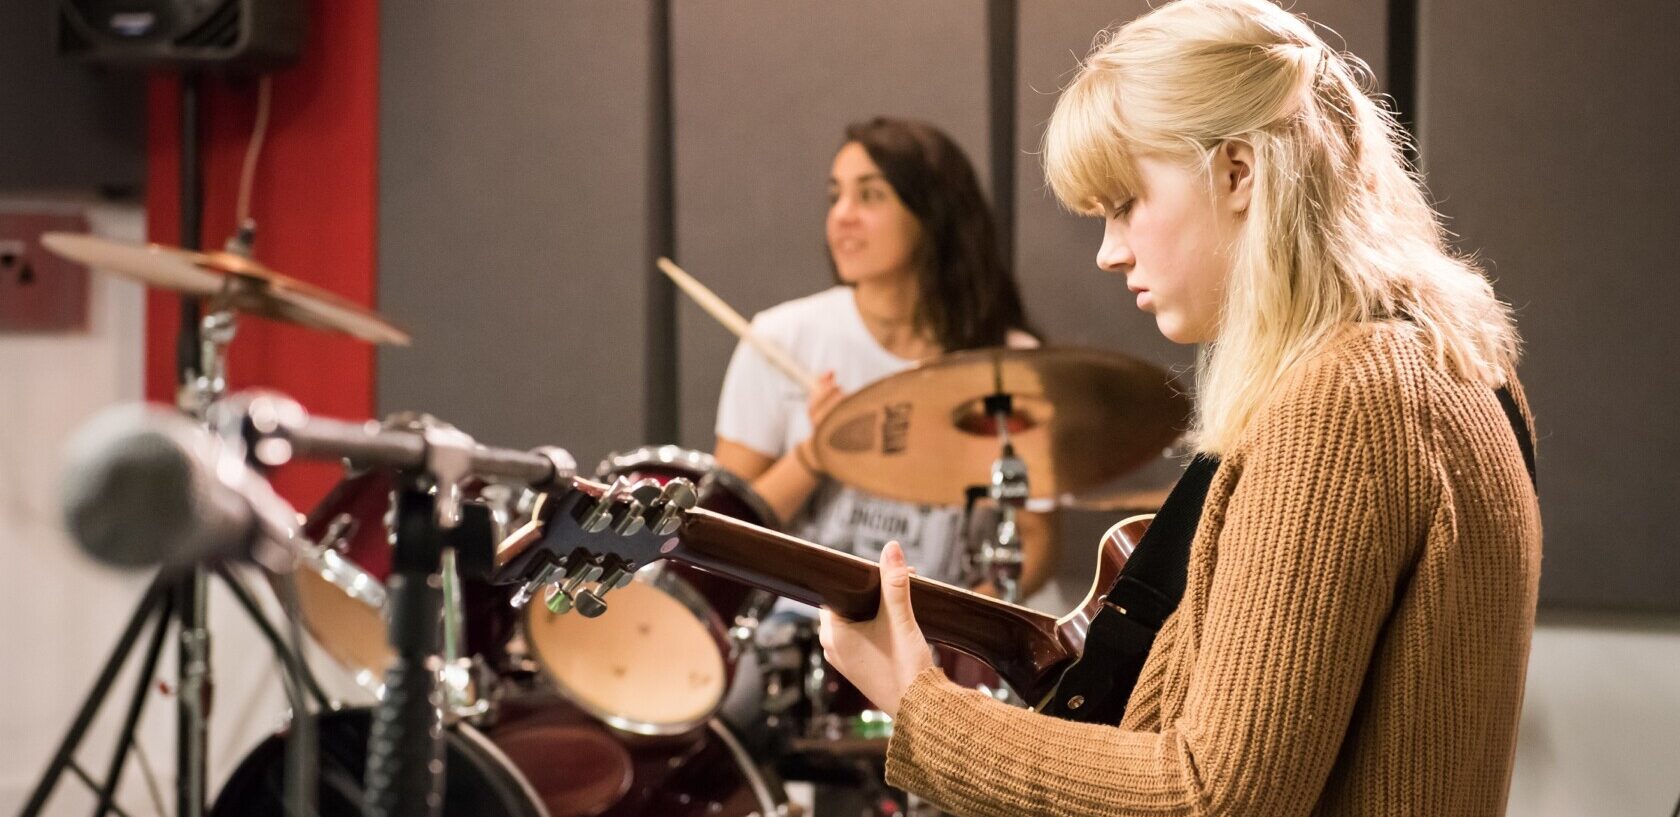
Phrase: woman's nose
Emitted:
{"points": [[844, 208], [1115, 255]]}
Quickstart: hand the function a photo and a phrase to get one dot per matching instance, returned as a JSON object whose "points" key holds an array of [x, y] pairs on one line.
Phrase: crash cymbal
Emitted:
{"points": [[231, 281], [1081, 418]]}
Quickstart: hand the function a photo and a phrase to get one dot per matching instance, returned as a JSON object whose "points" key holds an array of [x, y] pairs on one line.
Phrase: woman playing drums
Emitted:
{"points": [[914, 249]]}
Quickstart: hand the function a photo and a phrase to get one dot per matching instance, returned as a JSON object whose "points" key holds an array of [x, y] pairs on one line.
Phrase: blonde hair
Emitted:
{"points": [[1338, 230]]}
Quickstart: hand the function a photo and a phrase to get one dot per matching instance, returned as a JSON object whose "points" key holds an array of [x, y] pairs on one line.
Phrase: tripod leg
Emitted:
{"points": [[148, 670], [193, 705], [242, 594], [66, 749]]}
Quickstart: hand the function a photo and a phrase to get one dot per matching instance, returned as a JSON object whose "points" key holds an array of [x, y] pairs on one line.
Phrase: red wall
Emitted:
{"points": [[314, 201]]}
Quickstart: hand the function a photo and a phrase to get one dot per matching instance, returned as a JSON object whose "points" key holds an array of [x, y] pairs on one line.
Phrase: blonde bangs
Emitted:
{"points": [[1086, 159]]}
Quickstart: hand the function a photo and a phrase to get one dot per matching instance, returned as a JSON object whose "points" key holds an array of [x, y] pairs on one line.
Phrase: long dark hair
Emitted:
{"points": [[966, 294]]}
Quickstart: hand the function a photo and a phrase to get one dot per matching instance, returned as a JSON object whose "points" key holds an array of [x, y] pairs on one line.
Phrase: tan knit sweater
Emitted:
{"points": [[1352, 639]]}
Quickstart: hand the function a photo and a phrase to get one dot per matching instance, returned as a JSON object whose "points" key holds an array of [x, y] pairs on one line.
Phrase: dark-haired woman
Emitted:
{"points": [[914, 248]]}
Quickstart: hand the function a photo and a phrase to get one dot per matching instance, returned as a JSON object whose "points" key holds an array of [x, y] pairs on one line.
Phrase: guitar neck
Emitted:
{"points": [[1024, 646]]}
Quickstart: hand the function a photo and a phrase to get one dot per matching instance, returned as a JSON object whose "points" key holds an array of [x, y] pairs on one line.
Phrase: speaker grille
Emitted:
{"points": [[219, 30]]}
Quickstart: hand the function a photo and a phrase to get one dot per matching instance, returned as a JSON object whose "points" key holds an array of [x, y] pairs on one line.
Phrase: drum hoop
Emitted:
{"points": [[483, 743], [701, 464], [345, 575], [755, 774], [673, 585]]}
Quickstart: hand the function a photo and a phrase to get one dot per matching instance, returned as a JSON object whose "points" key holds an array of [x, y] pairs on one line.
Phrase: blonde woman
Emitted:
{"points": [[1360, 593]]}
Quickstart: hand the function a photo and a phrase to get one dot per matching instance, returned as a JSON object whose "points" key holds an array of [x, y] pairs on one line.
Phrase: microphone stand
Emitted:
{"points": [[405, 767]]}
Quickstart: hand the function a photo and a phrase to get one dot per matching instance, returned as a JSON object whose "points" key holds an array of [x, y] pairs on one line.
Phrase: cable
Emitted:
{"points": [[259, 131]]}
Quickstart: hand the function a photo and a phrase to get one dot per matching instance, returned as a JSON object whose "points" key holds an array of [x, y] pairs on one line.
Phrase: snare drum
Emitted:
{"points": [[660, 660]]}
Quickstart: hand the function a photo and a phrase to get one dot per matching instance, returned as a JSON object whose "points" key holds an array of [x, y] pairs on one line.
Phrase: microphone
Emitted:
{"points": [[144, 486]]}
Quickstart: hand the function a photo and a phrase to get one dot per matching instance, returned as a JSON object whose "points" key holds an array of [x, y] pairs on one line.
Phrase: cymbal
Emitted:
{"points": [[1081, 418], [231, 281]]}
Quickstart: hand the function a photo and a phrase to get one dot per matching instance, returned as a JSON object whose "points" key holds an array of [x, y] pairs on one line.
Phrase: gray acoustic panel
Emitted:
{"points": [[1548, 138], [763, 91], [512, 213], [64, 126], [1070, 300]]}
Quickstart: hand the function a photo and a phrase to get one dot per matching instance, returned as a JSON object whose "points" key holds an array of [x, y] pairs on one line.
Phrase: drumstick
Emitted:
{"points": [[727, 316]]}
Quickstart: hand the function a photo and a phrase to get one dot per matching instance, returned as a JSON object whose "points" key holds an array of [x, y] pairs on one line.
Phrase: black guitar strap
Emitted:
{"points": [[1097, 687], [1524, 442]]}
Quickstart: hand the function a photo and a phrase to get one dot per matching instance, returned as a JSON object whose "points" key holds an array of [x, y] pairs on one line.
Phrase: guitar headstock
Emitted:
{"points": [[586, 539]]}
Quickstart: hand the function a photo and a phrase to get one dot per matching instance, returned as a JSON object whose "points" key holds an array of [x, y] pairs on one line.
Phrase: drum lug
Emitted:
{"points": [[463, 681], [339, 532]]}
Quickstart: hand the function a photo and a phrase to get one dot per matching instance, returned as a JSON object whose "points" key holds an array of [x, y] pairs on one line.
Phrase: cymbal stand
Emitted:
{"points": [[1000, 555]]}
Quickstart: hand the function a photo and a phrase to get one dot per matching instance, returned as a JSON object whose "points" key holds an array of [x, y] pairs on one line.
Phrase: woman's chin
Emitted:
{"points": [[1173, 329]]}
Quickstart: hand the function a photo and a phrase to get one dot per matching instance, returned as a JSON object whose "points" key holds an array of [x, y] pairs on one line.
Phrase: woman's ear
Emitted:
{"points": [[1233, 172]]}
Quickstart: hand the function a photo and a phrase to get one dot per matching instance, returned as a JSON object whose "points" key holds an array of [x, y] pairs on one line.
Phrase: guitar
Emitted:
{"points": [[585, 539]]}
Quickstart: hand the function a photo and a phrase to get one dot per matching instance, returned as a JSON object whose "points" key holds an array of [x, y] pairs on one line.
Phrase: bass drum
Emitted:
{"points": [[543, 758]]}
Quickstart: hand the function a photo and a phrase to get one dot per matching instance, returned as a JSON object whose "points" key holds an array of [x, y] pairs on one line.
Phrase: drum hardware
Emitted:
{"points": [[461, 686], [1000, 556]]}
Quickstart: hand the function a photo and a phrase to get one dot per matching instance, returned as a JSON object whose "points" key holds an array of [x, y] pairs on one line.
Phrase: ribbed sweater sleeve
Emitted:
{"points": [[1315, 537]]}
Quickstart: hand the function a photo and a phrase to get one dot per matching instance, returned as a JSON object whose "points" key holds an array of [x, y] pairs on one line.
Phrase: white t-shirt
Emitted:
{"points": [[763, 409]]}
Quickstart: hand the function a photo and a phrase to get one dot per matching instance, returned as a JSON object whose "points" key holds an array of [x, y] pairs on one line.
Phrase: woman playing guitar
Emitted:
{"points": [[1361, 580]]}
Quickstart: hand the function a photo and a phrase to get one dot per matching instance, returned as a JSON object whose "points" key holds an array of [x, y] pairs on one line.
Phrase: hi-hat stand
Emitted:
{"points": [[182, 596]]}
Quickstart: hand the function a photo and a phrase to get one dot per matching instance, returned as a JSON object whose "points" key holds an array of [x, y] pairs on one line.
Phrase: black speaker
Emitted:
{"points": [[251, 35]]}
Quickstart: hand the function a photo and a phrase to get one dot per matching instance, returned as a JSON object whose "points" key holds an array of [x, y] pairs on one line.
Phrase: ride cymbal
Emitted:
{"points": [[1080, 418]]}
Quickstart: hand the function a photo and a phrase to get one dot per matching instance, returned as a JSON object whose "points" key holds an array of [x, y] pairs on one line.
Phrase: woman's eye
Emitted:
{"points": [[869, 194], [1122, 209]]}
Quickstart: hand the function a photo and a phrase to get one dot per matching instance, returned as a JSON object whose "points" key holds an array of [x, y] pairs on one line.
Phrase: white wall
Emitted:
{"points": [[1601, 720]]}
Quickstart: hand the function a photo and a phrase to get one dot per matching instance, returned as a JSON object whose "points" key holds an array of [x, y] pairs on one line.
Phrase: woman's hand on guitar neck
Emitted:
{"points": [[882, 656]]}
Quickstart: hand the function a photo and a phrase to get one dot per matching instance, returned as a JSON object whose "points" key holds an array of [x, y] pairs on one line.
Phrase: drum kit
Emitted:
{"points": [[632, 699]]}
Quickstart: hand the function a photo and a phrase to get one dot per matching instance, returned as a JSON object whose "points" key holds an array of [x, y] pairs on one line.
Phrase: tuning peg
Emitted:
{"points": [[560, 596], [631, 522], [588, 604], [600, 516], [677, 496], [550, 574]]}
